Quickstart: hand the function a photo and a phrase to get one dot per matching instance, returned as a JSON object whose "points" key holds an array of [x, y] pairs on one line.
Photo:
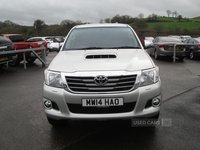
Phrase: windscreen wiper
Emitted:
{"points": [[86, 48], [125, 47]]}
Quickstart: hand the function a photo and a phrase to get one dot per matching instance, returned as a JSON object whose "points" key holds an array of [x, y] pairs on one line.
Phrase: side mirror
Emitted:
{"points": [[148, 44]]}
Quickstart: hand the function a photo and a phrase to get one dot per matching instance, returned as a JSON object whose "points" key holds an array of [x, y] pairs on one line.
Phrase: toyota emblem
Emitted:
{"points": [[100, 80]]}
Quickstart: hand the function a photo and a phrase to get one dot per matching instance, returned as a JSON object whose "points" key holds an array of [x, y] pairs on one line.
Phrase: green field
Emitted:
{"points": [[189, 24]]}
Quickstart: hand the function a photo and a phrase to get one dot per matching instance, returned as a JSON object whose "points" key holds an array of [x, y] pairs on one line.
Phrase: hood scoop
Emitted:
{"points": [[102, 56]]}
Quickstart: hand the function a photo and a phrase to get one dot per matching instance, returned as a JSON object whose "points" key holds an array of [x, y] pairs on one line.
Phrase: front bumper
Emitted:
{"points": [[140, 97]]}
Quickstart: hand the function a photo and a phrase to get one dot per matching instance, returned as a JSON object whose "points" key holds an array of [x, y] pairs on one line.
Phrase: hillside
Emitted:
{"points": [[173, 23], [197, 17]]}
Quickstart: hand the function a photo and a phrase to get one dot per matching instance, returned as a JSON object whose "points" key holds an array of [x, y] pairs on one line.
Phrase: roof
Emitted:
{"points": [[10, 34], [101, 25]]}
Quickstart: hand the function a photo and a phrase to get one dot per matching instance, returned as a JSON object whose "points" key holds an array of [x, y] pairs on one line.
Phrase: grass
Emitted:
{"points": [[189, 24]]}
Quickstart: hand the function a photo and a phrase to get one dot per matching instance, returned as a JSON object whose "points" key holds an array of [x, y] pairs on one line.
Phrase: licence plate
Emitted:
{"points": [[172, 47], [102, 102], [4, 58], [39, 53]]}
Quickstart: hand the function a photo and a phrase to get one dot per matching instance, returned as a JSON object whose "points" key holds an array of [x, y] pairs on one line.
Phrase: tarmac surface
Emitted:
{"points": [[23, 124]]}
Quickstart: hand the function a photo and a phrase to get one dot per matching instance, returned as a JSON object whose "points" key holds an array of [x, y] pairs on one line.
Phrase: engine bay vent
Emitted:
{"points": [[100, 56]]}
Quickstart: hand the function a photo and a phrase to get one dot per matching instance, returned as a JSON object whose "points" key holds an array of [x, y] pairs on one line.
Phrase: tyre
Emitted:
{"points": [[1, 66], [192, 55], [30, 60], [15, 62], [181, 58], [156, 55]]}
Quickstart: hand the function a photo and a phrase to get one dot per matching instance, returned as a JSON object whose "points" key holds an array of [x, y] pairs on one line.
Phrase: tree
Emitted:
{"points": [[122, 19], [177, 30], [175, 14], [186, 31], [38, 25], [150, 17], [107, 20], [158, 28], [155, 17], [101, 21], [9, 23], [139, 24], [179, 17], [169, 13], [141, 15], [68, 24], [1, 24]]}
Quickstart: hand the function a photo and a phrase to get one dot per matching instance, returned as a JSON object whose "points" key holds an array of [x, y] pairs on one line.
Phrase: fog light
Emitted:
{"points": [[48, 104], [155, 102]]}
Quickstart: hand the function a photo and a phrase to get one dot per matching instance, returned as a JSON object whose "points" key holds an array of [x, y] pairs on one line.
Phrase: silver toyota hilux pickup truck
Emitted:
{"points": [[101, 72]]}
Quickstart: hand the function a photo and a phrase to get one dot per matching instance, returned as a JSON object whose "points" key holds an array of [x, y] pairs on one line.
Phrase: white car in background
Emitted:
{"points": [[56, 43], [55, 46], [185, 37]]}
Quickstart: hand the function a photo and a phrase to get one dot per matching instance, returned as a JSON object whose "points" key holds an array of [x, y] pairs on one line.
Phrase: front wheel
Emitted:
{"points": [[30, 60], [192, 54], [181, 58], [1, 66], [156, 55], [15, 62]]}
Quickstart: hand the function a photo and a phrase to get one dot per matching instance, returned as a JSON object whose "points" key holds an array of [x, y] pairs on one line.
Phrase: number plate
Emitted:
{"points": [[4, 58], [172, 47], [98, 102], [39, 53]]}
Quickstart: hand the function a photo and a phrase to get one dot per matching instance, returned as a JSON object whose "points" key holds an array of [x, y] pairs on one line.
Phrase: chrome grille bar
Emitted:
{"points": [[114, 84]]}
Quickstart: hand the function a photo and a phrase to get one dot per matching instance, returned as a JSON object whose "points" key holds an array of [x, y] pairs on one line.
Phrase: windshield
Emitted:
{"points": [[101, 38], [169, 39], [16, 38], [149, 38], [197, 40]]}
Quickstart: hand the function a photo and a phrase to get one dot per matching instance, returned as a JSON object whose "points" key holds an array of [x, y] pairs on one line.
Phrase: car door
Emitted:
{"points": [[156, 44], [189, 46]]}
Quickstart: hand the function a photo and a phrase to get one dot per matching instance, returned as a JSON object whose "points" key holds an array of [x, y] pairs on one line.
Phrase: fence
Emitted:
{"points": [[42, 58]]}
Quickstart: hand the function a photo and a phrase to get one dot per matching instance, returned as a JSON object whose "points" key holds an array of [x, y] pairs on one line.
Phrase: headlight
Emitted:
{"points": [[53, 79], [149, 76]]}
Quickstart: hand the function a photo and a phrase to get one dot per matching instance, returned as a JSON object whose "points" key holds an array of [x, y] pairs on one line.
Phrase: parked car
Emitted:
{"points": [[20, 44], [193, 48], [5, 45], [60, 39], [50, 39], [43, 40], [147, 38], [55, 46], [164, 47], [175, 36], [101, 72], [185, 37], [35, 42]]}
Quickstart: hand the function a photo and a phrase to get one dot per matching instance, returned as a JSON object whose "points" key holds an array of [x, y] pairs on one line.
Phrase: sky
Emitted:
{"points": [[25, 12]]}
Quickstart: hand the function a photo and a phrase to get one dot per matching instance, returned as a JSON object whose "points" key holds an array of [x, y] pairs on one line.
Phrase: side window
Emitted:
{"points": [[30, 40], [190, 41]]}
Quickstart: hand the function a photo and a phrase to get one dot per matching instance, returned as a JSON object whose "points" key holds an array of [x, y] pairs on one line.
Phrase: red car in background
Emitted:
{"points": [[20, 43], [149, 38]]}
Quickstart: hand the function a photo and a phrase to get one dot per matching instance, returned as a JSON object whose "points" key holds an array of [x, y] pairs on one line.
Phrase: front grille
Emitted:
{"points": [[114, 84], [77, 108]]}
